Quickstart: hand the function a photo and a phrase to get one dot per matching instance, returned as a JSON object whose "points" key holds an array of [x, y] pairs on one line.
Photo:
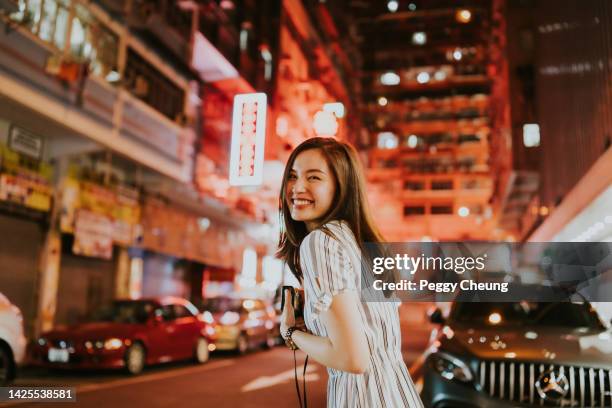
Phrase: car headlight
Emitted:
{"points": [[229, 318], [451, 367], [113, 344]]}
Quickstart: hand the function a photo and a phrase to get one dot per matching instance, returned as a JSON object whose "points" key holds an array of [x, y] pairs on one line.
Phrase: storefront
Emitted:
{"points": [[85, 284], [19, 257], [97, 222], [25, 202], [183, 251], [165, 276]]}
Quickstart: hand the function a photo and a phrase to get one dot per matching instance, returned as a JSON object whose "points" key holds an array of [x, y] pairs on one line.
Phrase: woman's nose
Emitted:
{"points": [[298, 186]]}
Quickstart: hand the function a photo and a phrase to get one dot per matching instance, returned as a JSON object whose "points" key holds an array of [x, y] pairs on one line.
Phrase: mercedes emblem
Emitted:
{"points": [[552, 385]]}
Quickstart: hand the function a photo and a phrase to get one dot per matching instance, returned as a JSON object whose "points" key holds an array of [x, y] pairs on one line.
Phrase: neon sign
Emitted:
{"points": [[248, 139]]}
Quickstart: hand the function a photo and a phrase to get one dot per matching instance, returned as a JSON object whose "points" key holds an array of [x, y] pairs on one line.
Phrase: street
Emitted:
{"points": [[260, 378]]}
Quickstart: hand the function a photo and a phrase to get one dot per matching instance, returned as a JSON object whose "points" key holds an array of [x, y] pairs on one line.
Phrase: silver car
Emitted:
{"points": [[12, 340]]}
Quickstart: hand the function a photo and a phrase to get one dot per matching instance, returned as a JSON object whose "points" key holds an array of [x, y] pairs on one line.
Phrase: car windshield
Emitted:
{"points": [[562, 314], [124, 312], [221, 304]]}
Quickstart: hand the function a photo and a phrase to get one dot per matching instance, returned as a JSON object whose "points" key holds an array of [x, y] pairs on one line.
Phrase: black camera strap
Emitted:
{"points": [[297, 384], [304, 402]]}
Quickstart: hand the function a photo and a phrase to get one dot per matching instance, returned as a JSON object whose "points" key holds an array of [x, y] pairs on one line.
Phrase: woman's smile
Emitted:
{"points": [[301, 202]]}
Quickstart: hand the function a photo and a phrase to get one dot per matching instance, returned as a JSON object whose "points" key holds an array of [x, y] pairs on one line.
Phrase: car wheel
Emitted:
{"points": [[7, 366], [135, 359], [202, 354], [243, 344]]}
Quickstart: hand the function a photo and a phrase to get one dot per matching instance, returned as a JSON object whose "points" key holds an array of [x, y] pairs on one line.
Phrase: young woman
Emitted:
{"points": [[326, 223]]}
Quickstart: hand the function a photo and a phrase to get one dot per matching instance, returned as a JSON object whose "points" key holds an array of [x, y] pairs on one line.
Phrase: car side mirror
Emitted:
{"points": [[436, 317]]}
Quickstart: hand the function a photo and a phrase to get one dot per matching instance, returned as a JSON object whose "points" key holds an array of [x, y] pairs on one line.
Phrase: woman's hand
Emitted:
{"points": [[287, 319]]}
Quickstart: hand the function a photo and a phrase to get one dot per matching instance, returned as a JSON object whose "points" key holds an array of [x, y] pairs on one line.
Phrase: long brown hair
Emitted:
{"points": [[349, 203]]}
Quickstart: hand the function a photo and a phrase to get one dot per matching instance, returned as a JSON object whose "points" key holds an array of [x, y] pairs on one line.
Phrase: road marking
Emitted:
{"points": [[154, 377], [269, 381], [136, 380]]}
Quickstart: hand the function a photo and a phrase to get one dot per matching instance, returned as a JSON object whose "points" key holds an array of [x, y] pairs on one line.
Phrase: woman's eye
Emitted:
{"points": [[291, 177], [314, 178]]}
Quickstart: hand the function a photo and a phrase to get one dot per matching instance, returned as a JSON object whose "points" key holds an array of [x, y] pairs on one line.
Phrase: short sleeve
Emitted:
{"points": [[329, 267]]}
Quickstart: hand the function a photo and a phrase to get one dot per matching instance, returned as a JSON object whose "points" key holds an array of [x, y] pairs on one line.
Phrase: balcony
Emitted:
{"points": [[35, 74]]}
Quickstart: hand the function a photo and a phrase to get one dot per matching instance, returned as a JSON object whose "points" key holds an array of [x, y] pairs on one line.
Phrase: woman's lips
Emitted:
{"points": [[300, 202]]}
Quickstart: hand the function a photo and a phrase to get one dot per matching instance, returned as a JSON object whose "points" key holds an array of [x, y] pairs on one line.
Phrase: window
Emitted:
{"points": [[414, 185], [166, 312], [468, 138], [181, 311], [28, 14], [91, 41], [48, 19], [414, 210], [441, 209], [531, 135], [149, 85], [442, 185], [470, 184]]}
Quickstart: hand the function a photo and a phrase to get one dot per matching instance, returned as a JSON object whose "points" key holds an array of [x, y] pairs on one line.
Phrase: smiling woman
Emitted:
{"points": [[326, 224]]}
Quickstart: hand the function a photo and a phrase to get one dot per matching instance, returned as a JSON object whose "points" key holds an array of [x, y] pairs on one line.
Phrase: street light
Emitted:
{"points": [[463, 16], [390, 78], [419, 38], [392, 5], [463, 211], [457, 54], [423, 77]]}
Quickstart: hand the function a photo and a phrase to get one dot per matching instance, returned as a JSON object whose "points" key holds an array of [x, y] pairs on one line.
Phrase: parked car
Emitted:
{"points": [[129, 334], [242, 323], [12, 340], [518, 354]]}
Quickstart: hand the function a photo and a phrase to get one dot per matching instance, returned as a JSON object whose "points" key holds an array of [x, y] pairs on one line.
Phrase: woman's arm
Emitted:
{"points": [[346, 348]]}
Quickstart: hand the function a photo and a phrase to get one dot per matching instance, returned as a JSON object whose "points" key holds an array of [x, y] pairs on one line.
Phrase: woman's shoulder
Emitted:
{"points": [[330, 234]]}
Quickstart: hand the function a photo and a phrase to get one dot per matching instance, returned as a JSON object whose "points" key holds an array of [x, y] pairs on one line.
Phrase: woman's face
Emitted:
{"points": [[310, 188]]}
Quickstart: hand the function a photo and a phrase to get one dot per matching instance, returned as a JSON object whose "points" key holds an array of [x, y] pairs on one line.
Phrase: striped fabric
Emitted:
{"points": [[332, 265]]}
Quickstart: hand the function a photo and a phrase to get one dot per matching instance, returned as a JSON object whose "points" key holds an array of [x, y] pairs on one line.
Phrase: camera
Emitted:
{"points": [[296, 297]]}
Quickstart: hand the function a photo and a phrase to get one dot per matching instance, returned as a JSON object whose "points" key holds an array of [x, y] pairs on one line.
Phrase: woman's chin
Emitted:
{"points": [[300, 216]]}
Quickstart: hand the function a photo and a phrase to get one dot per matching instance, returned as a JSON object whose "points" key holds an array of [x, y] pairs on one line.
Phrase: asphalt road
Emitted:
{"points": [[262, 378]]}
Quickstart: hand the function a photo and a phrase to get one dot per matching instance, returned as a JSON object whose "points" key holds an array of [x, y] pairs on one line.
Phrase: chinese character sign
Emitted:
{"points": [[248, 139]]}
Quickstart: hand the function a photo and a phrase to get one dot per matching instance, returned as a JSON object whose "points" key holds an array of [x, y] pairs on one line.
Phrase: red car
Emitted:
{"points": [[128, 334]]}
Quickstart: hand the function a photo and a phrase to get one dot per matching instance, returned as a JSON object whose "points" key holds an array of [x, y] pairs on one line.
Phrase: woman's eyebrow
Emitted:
{"points": [[309, 171]]}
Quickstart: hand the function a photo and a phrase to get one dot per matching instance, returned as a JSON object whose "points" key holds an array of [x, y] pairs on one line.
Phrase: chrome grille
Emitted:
{"points": [[515, 381]]}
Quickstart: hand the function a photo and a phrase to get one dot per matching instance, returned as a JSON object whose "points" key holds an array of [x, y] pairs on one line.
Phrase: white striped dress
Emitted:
{"points": [[332, 265]]}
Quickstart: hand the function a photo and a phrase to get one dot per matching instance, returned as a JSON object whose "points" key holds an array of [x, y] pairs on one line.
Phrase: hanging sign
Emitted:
{"points": [[248, 139], [24, 142]]}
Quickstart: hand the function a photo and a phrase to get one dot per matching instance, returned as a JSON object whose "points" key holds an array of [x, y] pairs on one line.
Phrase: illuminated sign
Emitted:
{"points": [[248, 139]]}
